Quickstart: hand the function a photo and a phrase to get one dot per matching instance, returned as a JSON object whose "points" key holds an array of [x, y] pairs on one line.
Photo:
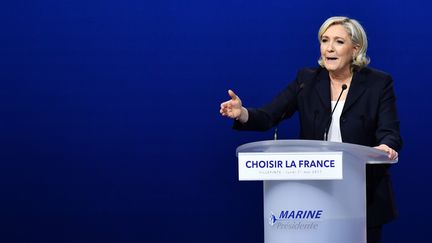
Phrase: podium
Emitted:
{"points": [[314, 191]]}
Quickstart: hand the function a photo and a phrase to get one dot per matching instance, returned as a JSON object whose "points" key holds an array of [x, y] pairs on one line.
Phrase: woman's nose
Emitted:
{"points": [[330, 47]]}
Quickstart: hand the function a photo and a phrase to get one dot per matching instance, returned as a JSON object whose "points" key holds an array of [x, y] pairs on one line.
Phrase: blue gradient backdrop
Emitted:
{"points": [[110, 125]]}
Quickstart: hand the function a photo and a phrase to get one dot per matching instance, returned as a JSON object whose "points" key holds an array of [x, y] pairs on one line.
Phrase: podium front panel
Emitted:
{"points": [[319, 211]]}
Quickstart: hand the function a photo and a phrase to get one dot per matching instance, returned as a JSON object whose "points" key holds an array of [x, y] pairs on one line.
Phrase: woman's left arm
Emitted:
{"points": [[388, 131]]}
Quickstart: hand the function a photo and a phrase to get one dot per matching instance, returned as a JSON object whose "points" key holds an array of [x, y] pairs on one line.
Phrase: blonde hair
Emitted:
{"points": [[358, 38]]}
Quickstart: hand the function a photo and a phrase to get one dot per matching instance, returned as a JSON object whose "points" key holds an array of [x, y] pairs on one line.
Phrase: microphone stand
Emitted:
{"points": [[344, 87]]}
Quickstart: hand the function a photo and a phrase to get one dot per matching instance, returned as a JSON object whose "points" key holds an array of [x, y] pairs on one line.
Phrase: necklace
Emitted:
{"points": [[341, 83], [337, 89]]}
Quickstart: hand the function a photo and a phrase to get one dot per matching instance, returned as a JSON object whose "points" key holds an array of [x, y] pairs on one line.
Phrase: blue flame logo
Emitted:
{"points": [[272, 219]]}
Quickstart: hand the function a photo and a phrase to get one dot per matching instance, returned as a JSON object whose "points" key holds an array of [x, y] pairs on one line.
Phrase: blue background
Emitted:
{"points": [[110, 126]]}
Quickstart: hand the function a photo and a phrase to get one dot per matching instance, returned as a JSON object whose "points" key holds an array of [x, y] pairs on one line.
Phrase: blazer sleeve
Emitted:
{"points": [[388, 130], [282, 106]]}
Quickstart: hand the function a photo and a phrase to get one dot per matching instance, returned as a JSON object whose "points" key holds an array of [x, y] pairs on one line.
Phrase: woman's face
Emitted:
{"points": [[337, 49]]}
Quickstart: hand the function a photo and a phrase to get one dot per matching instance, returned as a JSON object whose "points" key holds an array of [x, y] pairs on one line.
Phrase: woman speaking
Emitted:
{"points": [[342, 100]]}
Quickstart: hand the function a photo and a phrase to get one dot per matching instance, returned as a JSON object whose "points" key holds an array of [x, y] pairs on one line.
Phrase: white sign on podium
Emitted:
{"points": [[290, 166]]}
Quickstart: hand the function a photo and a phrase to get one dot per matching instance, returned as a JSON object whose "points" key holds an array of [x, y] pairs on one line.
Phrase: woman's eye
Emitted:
{"points": [[340, 42], [324, 40]]}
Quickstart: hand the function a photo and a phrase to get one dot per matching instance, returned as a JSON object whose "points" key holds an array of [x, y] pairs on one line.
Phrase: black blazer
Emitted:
{"points": [[368, 118]]}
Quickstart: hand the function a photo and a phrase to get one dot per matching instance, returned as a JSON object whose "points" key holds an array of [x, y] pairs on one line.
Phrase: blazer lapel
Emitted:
{"points": [[355, 91], [323, 88]]}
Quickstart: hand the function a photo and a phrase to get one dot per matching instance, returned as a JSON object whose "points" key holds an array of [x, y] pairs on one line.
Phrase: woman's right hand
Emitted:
{"points": [[233, 108]]}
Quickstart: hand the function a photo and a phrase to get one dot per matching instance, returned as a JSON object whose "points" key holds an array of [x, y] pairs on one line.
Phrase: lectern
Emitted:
{"points": [[314, 191]]}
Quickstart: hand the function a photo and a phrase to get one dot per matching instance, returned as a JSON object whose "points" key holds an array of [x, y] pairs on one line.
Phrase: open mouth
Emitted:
{"points": [[331, 58]]}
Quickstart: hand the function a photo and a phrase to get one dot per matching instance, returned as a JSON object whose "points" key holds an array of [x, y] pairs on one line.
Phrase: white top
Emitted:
{"points": [[334, 133]]}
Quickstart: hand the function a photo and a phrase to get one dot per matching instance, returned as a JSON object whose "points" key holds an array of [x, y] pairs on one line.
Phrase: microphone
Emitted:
{"points": [[344, 87], [275, 133]]}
